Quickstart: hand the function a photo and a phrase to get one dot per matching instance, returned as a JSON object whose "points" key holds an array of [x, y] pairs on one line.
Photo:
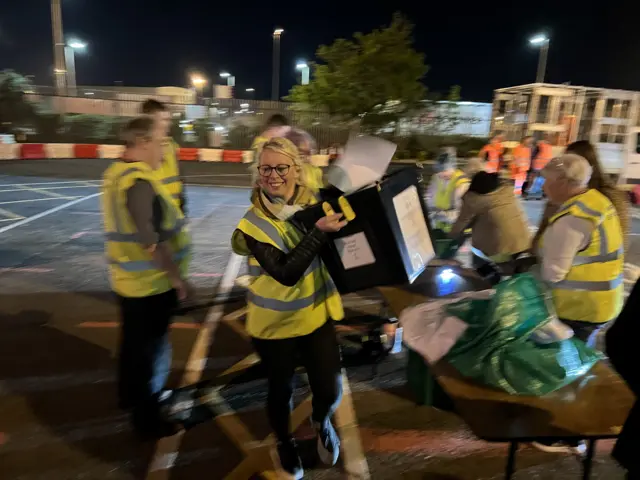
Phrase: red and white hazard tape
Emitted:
{"points": [[34, 151]]}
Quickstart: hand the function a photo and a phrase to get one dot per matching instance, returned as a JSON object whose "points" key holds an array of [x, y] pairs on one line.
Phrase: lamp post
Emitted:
{"points": [[59, 68], [70, 59], [275, 80], [231, 80], [541, 41], [303, 68]]}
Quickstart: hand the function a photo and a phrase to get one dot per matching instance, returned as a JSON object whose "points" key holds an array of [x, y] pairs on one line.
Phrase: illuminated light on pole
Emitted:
{"points": [[303, 67], [275, 78], [231, 80], [541, 41], [70, 49]]}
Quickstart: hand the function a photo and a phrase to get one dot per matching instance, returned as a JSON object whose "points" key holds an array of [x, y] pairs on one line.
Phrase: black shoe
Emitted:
{"points": [[288, 461], [328, 442]]}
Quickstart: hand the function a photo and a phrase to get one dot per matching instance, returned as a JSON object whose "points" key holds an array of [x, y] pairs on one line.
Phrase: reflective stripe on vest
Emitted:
{"points": [[169, 172], [279, 311], [593, 289], [132, 269]]}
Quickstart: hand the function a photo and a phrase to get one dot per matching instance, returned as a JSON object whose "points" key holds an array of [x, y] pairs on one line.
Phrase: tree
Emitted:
{"points": [[15, 110], [377, 75]]}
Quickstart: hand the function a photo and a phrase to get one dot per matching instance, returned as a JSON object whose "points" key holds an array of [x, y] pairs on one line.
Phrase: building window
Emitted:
{"points": [[608, 109]]}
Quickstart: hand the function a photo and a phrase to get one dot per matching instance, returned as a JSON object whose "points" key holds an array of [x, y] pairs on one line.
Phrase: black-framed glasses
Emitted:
{"points": [[281, 170]]}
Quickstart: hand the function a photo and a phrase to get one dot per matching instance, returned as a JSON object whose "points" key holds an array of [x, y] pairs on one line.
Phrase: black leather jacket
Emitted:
{"points": [[287, 268]]}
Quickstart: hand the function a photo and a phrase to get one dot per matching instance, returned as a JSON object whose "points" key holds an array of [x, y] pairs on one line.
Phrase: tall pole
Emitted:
{"points": [[275, 81], [542, 62], [58, 47], [70, 60]]}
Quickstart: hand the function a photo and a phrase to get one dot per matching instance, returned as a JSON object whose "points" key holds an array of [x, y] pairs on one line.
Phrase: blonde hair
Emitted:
{"points": [[473, 166], [573, 168], [282, 146]]}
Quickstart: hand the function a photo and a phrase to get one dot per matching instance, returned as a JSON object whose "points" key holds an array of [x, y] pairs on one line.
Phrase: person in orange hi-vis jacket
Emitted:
{"points": [[492, 153], [544, 154], [521, 163]]}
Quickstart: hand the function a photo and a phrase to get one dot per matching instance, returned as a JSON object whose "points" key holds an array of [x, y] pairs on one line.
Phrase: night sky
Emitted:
{"points": [[475, 45]]}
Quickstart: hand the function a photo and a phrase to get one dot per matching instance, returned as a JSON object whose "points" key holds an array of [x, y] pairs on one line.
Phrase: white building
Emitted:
{"points": [[610, 119]]}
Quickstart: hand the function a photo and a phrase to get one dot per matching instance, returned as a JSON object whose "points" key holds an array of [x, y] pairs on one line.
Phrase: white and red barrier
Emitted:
{"points": [[34, 151]]}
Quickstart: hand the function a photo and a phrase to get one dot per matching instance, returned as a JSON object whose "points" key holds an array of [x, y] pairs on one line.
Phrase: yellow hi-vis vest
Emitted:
{"points": [[276, 311], [445, 198], [169, 171], [593, 291], [313, 176], [132, 270]]}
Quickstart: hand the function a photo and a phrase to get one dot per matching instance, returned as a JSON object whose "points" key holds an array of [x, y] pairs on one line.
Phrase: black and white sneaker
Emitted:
{"points": [[328, 443], [287, 461]]}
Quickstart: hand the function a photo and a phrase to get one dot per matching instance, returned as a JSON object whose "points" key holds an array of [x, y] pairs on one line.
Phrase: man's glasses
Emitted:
{"points": [[281, 170]]}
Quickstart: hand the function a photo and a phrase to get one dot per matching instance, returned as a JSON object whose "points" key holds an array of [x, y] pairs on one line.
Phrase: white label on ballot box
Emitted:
{"points": [[354, 251], [413, 227]]}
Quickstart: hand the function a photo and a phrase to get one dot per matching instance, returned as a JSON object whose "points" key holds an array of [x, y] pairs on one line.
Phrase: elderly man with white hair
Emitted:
{"points": [[582, 252]]}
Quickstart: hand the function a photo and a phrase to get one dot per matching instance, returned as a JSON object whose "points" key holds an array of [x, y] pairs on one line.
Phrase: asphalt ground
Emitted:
{"points": [[58, 338]]}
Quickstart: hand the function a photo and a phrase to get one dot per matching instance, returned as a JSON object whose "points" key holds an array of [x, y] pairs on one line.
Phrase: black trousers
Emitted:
{"points": [[319, 354], [144, 359]]}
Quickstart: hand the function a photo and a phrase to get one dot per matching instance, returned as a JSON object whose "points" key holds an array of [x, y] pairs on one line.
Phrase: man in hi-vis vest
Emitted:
{"points": [[147, 250], [169, 171], [446, 189]]}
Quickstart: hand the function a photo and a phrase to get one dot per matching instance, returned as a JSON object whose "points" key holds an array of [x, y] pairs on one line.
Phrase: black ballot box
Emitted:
{"points": [[389, 240]]}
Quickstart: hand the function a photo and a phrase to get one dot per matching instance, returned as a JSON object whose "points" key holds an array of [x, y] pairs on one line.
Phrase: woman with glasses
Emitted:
{"points": [[292, 299]]}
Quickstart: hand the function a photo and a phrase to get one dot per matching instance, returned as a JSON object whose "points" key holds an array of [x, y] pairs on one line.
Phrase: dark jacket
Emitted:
{"points": [[287, 268], [622, 350]]}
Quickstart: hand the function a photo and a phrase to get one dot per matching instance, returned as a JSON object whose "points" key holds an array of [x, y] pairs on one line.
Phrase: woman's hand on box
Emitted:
{"points": [[331, 223]]}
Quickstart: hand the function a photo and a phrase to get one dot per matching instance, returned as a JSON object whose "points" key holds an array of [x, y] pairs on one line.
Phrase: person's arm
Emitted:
{"points": [[465, 218], [431, 192], [562, 242], [140, 198], [452, 215], [183, 193], [287, 268]]}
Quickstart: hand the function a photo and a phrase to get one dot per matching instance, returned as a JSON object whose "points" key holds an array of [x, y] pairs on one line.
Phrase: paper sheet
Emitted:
{"points": [[365, 161], [413, 226], [354, 251]]}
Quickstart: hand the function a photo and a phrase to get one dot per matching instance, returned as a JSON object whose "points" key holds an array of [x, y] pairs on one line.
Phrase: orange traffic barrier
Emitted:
{"points": [[189, 154], [85, 150], [32, 150], [232, 156]]}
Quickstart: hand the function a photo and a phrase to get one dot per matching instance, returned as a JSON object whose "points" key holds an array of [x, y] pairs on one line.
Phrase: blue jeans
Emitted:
{"points": [[144, 359]]}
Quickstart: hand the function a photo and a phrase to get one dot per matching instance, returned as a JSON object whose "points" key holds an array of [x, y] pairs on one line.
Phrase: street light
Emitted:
{"points": [[70, 48], [275, 79], [541, 41], [198, 82], [303, 67], [231, 80]]}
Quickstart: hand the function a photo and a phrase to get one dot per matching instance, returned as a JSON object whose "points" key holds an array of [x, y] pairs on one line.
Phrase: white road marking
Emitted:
{"points": [[19, 223], [167, 449], [30, 200]]}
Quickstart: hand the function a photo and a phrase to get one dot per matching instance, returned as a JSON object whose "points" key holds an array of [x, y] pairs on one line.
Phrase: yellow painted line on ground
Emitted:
{"points": [[10, 215], [48, 189], [37, 200], [42, 191]]}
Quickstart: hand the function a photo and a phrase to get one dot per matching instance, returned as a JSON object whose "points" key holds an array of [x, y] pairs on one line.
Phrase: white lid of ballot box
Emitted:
{"points": [[364, 162]]}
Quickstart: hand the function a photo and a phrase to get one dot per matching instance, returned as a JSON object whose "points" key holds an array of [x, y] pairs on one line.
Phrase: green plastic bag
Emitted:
{"points": [[497, 349]]}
